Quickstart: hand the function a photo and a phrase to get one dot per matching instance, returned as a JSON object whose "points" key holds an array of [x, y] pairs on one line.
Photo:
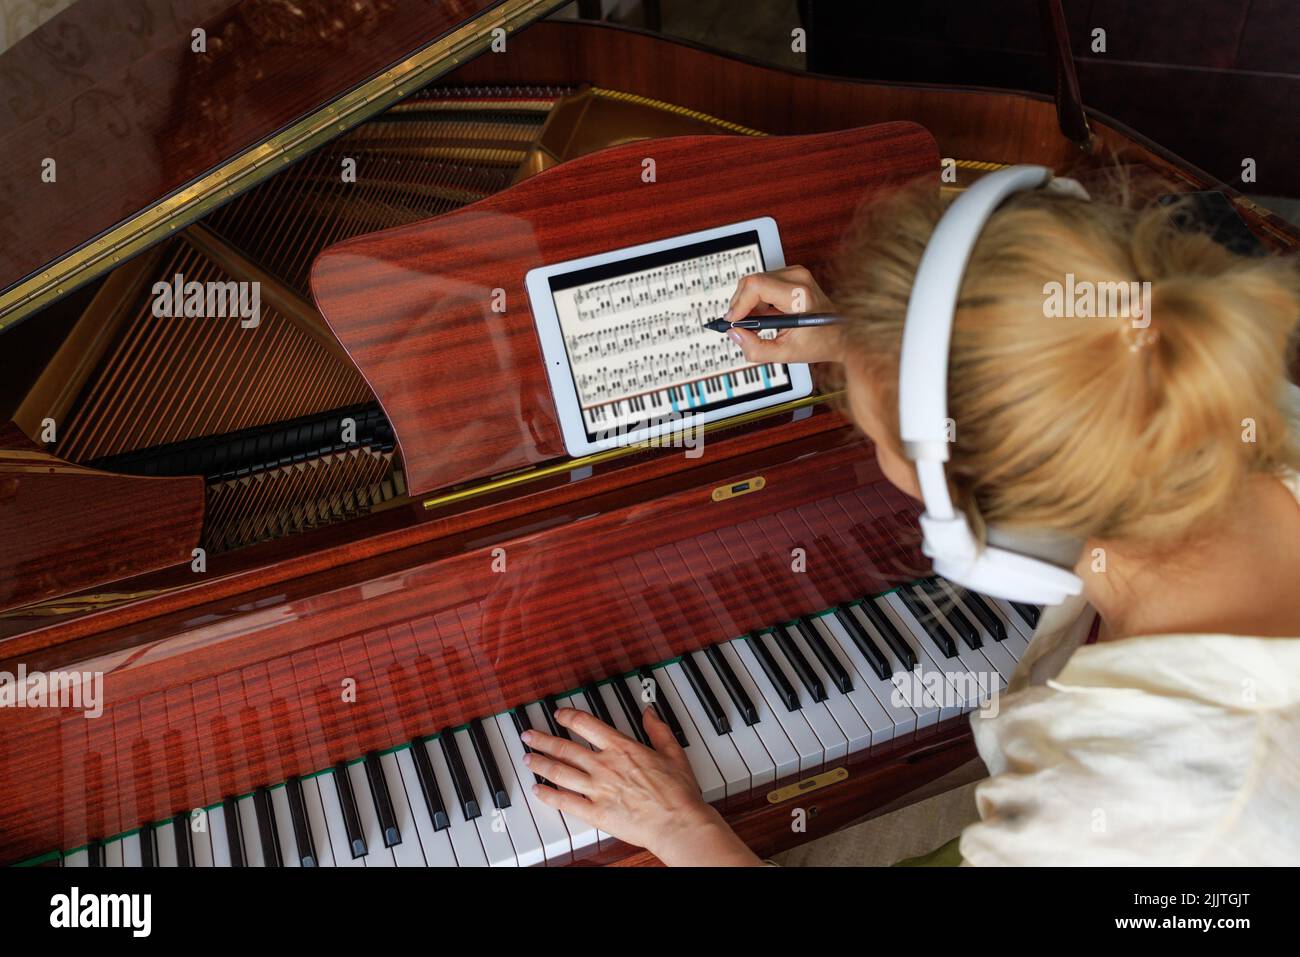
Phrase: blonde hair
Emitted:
{"points": [[1088, 427]]}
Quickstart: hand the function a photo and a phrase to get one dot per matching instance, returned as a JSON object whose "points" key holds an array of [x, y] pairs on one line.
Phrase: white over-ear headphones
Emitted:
{"points": [[923, 404]]}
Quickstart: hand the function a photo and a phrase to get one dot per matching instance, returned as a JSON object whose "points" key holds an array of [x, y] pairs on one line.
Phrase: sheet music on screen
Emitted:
{"points": [[635, 337]]}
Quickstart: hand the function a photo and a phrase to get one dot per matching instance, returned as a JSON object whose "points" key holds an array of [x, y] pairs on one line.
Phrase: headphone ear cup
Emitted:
{"points": [[1012, 577]]}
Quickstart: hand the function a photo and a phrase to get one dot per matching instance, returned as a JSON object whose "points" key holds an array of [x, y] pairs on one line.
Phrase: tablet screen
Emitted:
{"points": [[635, 339]]}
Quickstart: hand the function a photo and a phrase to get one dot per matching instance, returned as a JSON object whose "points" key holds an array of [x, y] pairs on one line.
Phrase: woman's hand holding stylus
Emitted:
{"points": [[788, 290]]}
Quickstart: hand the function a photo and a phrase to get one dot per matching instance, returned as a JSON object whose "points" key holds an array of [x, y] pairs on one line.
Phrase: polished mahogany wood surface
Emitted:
{"points": [[968, 123], [114, 94], [217, 699], [66, 527], [51, 631], [464, 385]]}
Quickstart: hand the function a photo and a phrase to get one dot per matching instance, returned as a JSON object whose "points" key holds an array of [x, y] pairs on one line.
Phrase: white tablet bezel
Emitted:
{"points": [[558, 371]]}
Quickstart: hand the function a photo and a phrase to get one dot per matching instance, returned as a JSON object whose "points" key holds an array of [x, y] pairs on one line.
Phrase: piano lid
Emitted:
{"points": [[142, 131]]}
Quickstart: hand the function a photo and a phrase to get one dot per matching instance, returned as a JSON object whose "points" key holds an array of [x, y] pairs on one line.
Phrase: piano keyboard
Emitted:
{"points": [[681, 399], [786, 702]]}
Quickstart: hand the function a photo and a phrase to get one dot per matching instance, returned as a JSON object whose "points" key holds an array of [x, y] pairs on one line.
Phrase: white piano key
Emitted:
{"points": [[578, 703], [340, 847], [834, 744], [968, 663], [707, 775], [491, 824], [249, 830], [762, 769], [164, 842], [436, 845], [616, 711], [804, 743], [201, 838], [910, 630], [284, 826], [220, 838], [996, 652], [864, 676], [785, 759], [520, 823], [131, 850], [113, 853], [925, 706], [550, 824], [314, 811], [463, 834], [843, 709], [1016, 627], [410, 852], [581, 834], [376, 854], [79, 858], [734, 771]]}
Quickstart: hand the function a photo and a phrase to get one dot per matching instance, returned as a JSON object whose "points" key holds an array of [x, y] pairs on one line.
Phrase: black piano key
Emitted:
{"points": [[487, 763], [298, 815], [429, 786], [663, 709], [704, 694], [523, 723], [549, 707], [802, 669], [95, 854], [885, 625], [875, 657], [265, 815], [731, 684], [184, 852], [383, 800], [459, 778], [1027, 613], [148, 856], [351, 817], [775, 675], [929, 623], [827, 657], [596, 702], [623, 694], [989, 621], [950, 610], [234, 839]]}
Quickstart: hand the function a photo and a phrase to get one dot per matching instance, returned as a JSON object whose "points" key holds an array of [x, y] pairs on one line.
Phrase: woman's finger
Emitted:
{"points": [[601, 735], [758, 288], [661, 736], [570, 752], [565, 775], [566, 802], [759, 350]]}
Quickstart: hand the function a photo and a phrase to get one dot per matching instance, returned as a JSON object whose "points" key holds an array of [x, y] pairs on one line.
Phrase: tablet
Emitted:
{"points": [[623, 338]]}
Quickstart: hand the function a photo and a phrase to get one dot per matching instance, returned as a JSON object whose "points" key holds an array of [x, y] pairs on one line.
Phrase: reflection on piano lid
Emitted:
{"points": [[769, 707]]}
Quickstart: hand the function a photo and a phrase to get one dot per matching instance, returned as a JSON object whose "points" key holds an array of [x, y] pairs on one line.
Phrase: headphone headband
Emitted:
{"points": [[923, 401]]}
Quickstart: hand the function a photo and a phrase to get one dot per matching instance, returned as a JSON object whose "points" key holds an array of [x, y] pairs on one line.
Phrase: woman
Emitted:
{"points": [[1166, 445]]}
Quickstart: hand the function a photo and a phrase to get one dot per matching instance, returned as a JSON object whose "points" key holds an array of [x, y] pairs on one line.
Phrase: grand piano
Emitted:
{"points": [[287, 596]]}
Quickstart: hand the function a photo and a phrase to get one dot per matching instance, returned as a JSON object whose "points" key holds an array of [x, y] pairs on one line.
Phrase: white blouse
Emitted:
{"points": [[1167, 749]]}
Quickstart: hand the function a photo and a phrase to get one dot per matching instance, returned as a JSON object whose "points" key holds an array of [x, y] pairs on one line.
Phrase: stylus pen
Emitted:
{"points": [[759, 323]]}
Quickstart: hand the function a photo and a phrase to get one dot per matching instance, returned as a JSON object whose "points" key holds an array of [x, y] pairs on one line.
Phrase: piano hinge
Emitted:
{"points": [[808, 785]]}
